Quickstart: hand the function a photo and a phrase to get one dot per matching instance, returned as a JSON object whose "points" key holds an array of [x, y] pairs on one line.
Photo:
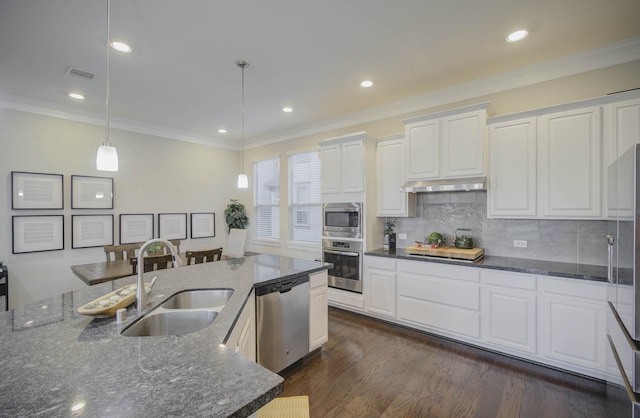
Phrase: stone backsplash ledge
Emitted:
{"points": [[569, 241]]}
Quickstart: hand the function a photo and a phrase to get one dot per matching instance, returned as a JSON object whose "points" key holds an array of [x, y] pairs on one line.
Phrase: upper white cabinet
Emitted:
{"points": [[570, 163], [343, 168], [447, 144], [390, 177], [512, 168], [624, 127]]}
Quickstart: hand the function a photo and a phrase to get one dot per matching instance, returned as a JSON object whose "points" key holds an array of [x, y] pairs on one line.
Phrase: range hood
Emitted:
{"points": [[449, 185]]}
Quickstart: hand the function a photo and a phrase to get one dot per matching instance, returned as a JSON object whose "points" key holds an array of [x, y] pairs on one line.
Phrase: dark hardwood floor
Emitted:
{"points": [[369, 368]]}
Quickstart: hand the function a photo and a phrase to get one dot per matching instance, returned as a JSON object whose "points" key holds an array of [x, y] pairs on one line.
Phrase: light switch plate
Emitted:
{"points": [[519, 243], [402, 236]]}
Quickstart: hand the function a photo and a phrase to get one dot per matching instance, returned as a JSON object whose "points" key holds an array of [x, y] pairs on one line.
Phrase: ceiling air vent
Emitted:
{"points": [[78, 73]]}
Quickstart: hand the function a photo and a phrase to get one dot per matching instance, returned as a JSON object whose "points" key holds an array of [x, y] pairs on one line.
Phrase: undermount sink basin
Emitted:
{"points": [[198, 299], [170, 323]]}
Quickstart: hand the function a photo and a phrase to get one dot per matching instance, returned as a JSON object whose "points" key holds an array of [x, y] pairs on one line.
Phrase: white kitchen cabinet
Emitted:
{"points": [[573, 324], [343, 167], [380, 276], [447, 144], [243, 336], [624, 127], [570, 163], [509, 310], [439, 297], [512, 169], [318, 310], [390, 177]]}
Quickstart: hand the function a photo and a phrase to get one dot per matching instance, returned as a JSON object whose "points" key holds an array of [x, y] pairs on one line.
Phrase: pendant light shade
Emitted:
{"points": [[107, 158], [243, 180]]}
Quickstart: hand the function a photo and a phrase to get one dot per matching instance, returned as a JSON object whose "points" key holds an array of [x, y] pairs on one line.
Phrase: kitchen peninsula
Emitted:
{"points": [[57, 362]]}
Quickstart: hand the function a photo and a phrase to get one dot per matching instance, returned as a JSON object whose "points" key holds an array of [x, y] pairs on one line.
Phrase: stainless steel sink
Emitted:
{"points": [[198, 299], [170, 323]]}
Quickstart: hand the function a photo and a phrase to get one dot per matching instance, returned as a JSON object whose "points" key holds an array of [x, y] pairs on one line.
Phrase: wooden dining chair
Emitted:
{"points": [[156, 262], [121, 252], [204, 256]]}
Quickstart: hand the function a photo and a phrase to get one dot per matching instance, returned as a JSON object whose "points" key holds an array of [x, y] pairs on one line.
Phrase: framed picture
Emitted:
{"points": [[91, 192], [36, 191], [37, 233], [203, 225], [172, 225], [136, 228], [91, 231]]}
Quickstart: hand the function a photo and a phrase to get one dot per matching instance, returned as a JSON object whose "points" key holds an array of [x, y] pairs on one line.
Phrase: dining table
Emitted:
{"points": [[105, 271]]}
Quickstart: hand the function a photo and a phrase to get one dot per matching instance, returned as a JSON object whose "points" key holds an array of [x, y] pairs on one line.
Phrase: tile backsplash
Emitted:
{"points": [[553, 240]]}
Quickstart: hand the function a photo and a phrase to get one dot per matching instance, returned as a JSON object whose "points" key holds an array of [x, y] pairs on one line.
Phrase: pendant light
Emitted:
{"points": [[243, 181], [107, 158]]}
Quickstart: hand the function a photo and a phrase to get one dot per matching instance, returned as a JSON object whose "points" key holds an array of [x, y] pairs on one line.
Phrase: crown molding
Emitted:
{"points": [[589, 60], [79, 115]]}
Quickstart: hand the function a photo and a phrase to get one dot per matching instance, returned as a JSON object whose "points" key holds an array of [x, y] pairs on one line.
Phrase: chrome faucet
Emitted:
{"points": [[141, 292]]}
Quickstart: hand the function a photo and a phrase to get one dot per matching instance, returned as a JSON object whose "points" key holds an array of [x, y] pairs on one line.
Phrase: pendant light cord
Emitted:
{"points": [[242, 64], [106, 131]]}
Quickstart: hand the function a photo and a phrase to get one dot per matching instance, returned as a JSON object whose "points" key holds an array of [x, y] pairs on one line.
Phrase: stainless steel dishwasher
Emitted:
{"points": [[282, 315]]}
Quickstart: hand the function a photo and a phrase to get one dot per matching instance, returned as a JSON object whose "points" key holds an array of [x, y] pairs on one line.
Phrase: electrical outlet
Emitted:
{"points": [[402, 236], [520, 243]]}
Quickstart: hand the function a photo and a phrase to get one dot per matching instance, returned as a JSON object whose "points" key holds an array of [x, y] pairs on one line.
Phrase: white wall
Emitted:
{"points": [[156, 175]]}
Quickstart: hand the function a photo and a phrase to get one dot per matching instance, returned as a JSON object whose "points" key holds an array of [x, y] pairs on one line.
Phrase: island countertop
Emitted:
{"points": [[56, 362]]}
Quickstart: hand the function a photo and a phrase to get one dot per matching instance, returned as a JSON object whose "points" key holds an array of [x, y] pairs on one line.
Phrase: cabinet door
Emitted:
{"points": [[422, 151], [390, 177], [625, 127], [243, 335], [463, 142], [509, 318], [512, 169], [574, 331], [570, 161], [330, 168], [382, 291], [352, 160], [318, 310]]}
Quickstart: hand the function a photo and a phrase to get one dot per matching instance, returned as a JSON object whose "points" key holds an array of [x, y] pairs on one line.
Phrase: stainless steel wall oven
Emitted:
{"points": [[346, 257]]}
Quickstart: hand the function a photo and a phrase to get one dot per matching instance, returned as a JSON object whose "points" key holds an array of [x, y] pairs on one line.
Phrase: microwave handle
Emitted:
{"points": [[348, 253]]}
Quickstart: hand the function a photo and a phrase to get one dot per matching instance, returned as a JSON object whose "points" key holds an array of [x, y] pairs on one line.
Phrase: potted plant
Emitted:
{"points": [[235, 215], [389, 242], [156, 248]]}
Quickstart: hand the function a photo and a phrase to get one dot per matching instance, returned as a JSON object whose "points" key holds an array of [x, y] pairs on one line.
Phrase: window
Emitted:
{"points": [[305, 210], [266, 198]]}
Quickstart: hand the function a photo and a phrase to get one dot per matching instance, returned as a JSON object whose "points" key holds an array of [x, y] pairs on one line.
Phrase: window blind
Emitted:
{"points": [[305, 209], [266, 198]]}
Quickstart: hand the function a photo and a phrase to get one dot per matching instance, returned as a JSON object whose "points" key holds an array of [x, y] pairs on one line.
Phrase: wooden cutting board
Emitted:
{"points": [[447, 252]]}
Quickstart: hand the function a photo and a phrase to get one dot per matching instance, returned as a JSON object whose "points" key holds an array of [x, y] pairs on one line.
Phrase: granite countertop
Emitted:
{"points": [[54, 358], [520, 265]]}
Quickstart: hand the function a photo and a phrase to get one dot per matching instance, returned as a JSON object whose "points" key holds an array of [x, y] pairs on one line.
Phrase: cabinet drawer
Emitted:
{"points": [[440, 291], [508, 279], [440, 270], [383, 263], [447, 318], [583, 289]]}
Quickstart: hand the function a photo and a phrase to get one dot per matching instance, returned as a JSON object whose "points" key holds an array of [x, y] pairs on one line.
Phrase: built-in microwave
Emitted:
{"points": [[342, 220]]}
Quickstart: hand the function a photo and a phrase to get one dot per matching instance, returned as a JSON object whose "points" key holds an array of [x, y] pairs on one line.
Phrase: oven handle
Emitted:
{"points": [[347, 253]]}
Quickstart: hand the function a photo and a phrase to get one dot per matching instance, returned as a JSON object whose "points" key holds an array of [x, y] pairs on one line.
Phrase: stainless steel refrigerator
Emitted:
{"points": [[623, 238]]}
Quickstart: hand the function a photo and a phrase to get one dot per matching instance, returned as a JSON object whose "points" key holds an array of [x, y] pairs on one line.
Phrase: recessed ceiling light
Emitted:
{"points": [[222, 131], [287, 109], [517, 36], [366, 83], [76, 96], [121, 46]]}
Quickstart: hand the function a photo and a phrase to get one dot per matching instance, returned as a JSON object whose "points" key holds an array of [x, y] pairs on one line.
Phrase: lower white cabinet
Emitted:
{"points": [[551, 320], [243, 336], [439, 296], [318, 310], [573, 324], [509, 310], [380, 276]]}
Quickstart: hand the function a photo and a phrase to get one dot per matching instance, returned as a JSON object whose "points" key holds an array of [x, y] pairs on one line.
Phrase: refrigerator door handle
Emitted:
{"points": [[610, 242]]}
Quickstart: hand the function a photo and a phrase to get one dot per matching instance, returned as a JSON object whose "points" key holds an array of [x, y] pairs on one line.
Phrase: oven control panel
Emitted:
{"points": [[342, 245]]}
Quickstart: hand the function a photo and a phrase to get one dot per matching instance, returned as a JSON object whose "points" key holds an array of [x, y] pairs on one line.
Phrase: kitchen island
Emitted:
{"points": [[56, 362]]}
